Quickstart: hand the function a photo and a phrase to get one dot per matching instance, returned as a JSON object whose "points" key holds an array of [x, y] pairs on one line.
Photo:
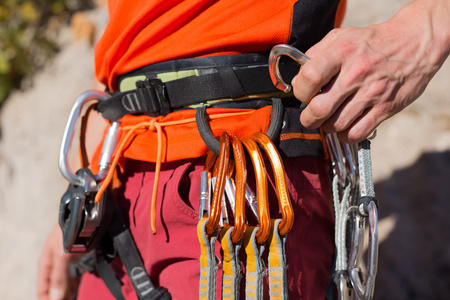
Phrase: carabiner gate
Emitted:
{"points": [[274, 60], [364, 292]]}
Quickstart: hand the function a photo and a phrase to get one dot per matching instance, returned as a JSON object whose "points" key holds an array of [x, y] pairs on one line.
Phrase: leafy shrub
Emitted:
{"points": [[26, 39]]}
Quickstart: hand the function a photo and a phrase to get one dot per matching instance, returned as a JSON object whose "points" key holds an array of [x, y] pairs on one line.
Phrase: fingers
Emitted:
{"points": [[360, 129], [342, 84], [54, 279], [44, 270], [314, 76]]}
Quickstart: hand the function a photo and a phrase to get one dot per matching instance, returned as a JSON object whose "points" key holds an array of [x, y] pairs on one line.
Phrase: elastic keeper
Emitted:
{"points": [[337, 274], [364, 203]]}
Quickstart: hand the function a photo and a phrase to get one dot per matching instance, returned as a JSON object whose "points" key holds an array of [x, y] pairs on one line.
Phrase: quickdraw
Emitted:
{"points": [[231, 236], [353, 195], [255, 237], [280, 227], [268, 234]]}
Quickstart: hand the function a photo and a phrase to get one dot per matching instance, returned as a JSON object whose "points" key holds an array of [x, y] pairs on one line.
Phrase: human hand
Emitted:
{"points": [[54, 279], [358, 77]]}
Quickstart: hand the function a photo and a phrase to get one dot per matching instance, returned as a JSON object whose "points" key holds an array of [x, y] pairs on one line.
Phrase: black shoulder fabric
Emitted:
{"points": [[311, 21]]}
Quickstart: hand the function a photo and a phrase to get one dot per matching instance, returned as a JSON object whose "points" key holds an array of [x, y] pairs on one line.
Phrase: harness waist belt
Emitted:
{"points": [[162, 87]]}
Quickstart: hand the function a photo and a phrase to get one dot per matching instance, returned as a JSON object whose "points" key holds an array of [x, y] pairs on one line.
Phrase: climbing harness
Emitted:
{"points": [[353, 196], [152, 123]]}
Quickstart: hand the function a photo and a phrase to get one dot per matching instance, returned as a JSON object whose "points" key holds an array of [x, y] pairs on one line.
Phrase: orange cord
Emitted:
{"points": [[152, 125]]}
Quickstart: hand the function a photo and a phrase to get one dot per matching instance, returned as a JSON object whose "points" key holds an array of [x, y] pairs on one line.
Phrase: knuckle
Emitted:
{"points": [[315, 115], [356, 135], [311, 75], [299, 94]]}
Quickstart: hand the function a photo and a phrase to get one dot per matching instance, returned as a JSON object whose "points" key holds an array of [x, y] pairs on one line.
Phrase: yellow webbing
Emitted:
{"points": [[208, 262], [231, 267], [255, 267], [277, 263]]}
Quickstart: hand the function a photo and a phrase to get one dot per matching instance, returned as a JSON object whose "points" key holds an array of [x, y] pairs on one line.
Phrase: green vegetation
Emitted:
{"points": [[27, 37]]}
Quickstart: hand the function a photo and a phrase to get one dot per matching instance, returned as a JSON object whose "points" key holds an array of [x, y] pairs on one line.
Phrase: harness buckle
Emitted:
{"points": [[152, 91]]}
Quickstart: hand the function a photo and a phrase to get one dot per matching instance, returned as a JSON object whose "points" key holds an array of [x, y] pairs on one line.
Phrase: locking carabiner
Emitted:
{"points": [[86, 100]]}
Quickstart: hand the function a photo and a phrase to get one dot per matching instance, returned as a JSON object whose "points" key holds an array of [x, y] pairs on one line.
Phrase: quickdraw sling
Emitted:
{"points": [[353, 196]]}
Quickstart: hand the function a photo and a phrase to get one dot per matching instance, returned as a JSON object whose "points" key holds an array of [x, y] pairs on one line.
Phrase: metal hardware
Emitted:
{"points": [[274, 60], [364, 291], [345, 163], [81, 219], [87, 98]]}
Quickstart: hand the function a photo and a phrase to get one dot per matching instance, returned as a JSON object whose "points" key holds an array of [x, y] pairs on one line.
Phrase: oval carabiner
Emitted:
{"points": [[274, 60], [364, 291], [221, 168], [240, 180], [261, 189], [91, 97], [284, 199], [337, 157]]}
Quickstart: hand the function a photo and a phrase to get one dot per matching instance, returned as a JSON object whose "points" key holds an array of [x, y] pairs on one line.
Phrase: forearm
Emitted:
{"points": [[429, 20]]}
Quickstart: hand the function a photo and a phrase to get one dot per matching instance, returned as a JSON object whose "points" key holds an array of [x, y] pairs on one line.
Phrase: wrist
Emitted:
{"points": [[434, 17]]}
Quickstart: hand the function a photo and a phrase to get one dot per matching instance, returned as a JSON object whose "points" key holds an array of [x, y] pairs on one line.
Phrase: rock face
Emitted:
{"points": [[411, 160]]}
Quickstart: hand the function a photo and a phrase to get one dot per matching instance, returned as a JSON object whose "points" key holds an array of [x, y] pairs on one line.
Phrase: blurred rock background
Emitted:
{"points": [[411, 157]]}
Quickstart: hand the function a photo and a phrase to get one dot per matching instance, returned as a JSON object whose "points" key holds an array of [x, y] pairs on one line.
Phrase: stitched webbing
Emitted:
{"points": [[208, 262], [255, 266], [341, 206], [277, 263], [151, 125], [231, 267]]}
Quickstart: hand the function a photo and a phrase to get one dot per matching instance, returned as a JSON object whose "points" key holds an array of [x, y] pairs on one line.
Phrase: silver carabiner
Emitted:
{"points": [[364, 291], [274, 60], [301, 58], [86, 99]]}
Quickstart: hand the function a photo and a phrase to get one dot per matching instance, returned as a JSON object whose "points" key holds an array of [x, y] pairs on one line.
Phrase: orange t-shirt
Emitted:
{"points": [[143, 32]]}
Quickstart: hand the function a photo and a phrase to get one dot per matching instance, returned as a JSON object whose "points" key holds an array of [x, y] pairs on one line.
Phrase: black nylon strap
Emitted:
{"points": [[224, 77], [231, 82], [132, 261], [120, 241], [106, 272]]}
